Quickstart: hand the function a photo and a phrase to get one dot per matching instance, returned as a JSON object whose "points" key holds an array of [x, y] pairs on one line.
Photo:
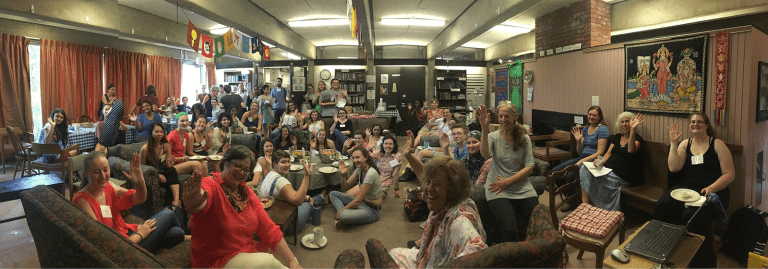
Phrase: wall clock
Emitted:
{"points": [[325, 74]]}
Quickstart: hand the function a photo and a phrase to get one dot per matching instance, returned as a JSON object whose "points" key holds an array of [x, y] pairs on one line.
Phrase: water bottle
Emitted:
{"points": [[426, 145]]}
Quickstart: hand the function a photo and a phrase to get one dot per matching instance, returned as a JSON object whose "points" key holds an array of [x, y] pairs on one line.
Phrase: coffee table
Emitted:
{"points": [[282, 212], [10, 189]]}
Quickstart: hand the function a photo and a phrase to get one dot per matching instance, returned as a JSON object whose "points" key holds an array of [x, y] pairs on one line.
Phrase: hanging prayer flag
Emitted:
{"points": [[237, 40], [193, 36], [219, 46], [246, 47], [255, 44], [228, 42], [207, 45], [353, 21], [266, 52]]}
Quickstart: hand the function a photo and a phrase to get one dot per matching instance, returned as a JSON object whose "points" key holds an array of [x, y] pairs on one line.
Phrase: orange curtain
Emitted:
{"points": [[15, 98], [210, 69], [128, 71], [165, 74], [70, 78]]}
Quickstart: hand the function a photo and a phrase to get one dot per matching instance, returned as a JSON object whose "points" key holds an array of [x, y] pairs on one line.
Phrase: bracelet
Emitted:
{"points": [[142, 237]]}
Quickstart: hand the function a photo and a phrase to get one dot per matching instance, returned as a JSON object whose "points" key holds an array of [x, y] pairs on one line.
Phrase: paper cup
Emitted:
{"points": [[318, 234]]}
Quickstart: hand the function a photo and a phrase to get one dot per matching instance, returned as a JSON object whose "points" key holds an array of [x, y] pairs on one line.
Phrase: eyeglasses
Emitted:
{"points": [[457, 134], [436, 185], [238, 168]]}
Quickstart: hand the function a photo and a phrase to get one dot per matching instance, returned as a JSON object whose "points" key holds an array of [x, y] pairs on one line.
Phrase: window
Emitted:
{"points": [[34, 85], [192, 76]]}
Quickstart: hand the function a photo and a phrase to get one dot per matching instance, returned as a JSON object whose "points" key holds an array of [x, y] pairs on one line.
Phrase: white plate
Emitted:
{"points": [[215, 157], [270, 198], [296, 167], [327, 170], [197, 157], [335, 163], [344, 157], [685, 195], [309, 242], [342, 102], [291, 155]]}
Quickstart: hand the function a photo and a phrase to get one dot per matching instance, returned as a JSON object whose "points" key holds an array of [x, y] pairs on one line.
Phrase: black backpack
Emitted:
{"points": [[747, 232]]}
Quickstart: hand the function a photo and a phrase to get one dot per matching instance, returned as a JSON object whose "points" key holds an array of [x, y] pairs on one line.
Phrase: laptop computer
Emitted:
{"points": [[658, 239]]}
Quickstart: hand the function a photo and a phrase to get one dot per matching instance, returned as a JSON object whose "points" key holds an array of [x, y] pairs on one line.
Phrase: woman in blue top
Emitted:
{"points": [[56, 131], [144, 122], [591, 141]]}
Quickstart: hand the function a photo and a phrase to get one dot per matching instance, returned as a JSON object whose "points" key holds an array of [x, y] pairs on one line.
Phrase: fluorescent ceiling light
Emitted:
{"points": [[346, 57], [337, 43], [401, 43], [318, 22], [291, 56], [475, 45], [219, 31], [511, 29], [414, 22]]}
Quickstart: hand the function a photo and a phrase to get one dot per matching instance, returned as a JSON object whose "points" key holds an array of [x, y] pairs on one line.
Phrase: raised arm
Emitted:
{"points": [[676, 158], [416, 165], [297, 197], [485, 122], [195, 197]]}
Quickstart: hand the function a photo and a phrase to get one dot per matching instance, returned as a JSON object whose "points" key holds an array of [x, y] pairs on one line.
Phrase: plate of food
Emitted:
{"points": [[342, 102], [327, 170], [685, 195], [215, 157], [266, 200], [309, 241], [335, 163], [197, 157], [296, 167], [343, 157]]}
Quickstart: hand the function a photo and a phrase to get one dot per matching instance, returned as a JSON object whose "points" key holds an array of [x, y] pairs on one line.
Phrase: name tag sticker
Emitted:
{"points": [[342, 125], [697, 159], [184, 142], [106, 212], [393, 163]]}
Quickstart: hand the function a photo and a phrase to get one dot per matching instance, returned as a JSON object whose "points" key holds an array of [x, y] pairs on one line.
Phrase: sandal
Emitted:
{"points": [[412, 244]]}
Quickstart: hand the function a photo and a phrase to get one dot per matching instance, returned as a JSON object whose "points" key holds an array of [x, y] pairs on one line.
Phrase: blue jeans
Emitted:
{"points": [[304, 210], [276, 132], [570, 176], [360, 215], [338, 139], [168, 232]]}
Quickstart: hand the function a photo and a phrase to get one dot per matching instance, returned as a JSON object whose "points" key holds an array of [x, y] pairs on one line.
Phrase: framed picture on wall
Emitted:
{"points": [[762, 91]]}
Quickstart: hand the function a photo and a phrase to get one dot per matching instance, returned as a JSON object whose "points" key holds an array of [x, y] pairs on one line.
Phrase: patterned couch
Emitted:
{"points": [[543, 247], [65, 236], [119, 160]]}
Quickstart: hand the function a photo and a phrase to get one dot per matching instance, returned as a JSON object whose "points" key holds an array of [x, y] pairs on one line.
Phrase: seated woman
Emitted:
{"points": [[169, 106], [388, 162], [314, 123], [706, 166], [157, 152], [276, 184], [144, 121], [321, 141], [103, 201], [358, 141], [474, 161], [237, 126], [439, 123], [291, 119], [374, 137], [361, 202], [182, 148], [436, 149], [252, 119], [220, 135], [56, 131], [201, 138], [624, 160], [286, 140], [263, 164], [198, 110], [453, 228], [341, 129], [244, 234]]}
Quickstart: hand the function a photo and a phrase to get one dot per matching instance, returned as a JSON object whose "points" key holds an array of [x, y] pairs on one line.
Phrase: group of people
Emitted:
{"points": [[464, 202]]}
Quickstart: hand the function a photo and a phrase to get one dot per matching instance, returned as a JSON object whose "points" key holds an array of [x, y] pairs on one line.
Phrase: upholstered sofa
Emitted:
{"points": [[65, 236], [543, 247], [119, 160]]}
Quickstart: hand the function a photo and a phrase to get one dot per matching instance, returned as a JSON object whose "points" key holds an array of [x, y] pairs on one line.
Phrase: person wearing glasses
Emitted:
{"points": [[453, 228], [230, 225]]}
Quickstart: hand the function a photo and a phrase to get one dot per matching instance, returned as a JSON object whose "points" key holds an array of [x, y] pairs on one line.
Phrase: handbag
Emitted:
{"points": [[415, 208]]}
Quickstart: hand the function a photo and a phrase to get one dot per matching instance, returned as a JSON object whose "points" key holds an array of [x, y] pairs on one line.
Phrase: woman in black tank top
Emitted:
{"points": [[706, 166]]}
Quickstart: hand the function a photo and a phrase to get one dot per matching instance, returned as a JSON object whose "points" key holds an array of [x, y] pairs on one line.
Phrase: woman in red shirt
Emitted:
{"points": [[103, 201], [230, 225], [182, 147]]}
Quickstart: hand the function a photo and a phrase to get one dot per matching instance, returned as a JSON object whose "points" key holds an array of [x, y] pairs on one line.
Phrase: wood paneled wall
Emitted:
{"points": [[567, 82]]}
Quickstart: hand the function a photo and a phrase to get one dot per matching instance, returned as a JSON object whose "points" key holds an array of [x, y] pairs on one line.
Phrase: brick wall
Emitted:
{"points": [[587, 22]]}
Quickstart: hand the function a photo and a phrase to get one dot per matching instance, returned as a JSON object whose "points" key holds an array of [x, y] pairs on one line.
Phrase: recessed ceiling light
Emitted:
{"points": [[219, 31], [318, 22], [414, 22]]}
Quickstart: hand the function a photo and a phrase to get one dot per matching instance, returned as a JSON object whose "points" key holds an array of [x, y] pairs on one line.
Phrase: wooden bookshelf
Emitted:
{"points": [[451, 89]]}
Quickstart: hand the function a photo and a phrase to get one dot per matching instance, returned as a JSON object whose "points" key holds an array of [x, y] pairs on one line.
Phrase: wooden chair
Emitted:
{"points": [[61, 165], [5, 133], [579, 240], [550, 152], [84, 118], [21, 150]]}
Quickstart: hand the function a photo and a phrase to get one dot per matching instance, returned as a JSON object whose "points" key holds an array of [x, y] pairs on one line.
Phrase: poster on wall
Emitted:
{"points": [[762, 91], [666, 76], [516, 85], [502, 77], [299, 84]]}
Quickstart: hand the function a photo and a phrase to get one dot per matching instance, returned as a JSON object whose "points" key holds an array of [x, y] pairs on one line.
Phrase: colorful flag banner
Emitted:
{"points": [[246, 47], [265, 55], [721, 75], [228, 39], [255, 44], [207, 46], [193, 36], [219, 46], [237, 40]]}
